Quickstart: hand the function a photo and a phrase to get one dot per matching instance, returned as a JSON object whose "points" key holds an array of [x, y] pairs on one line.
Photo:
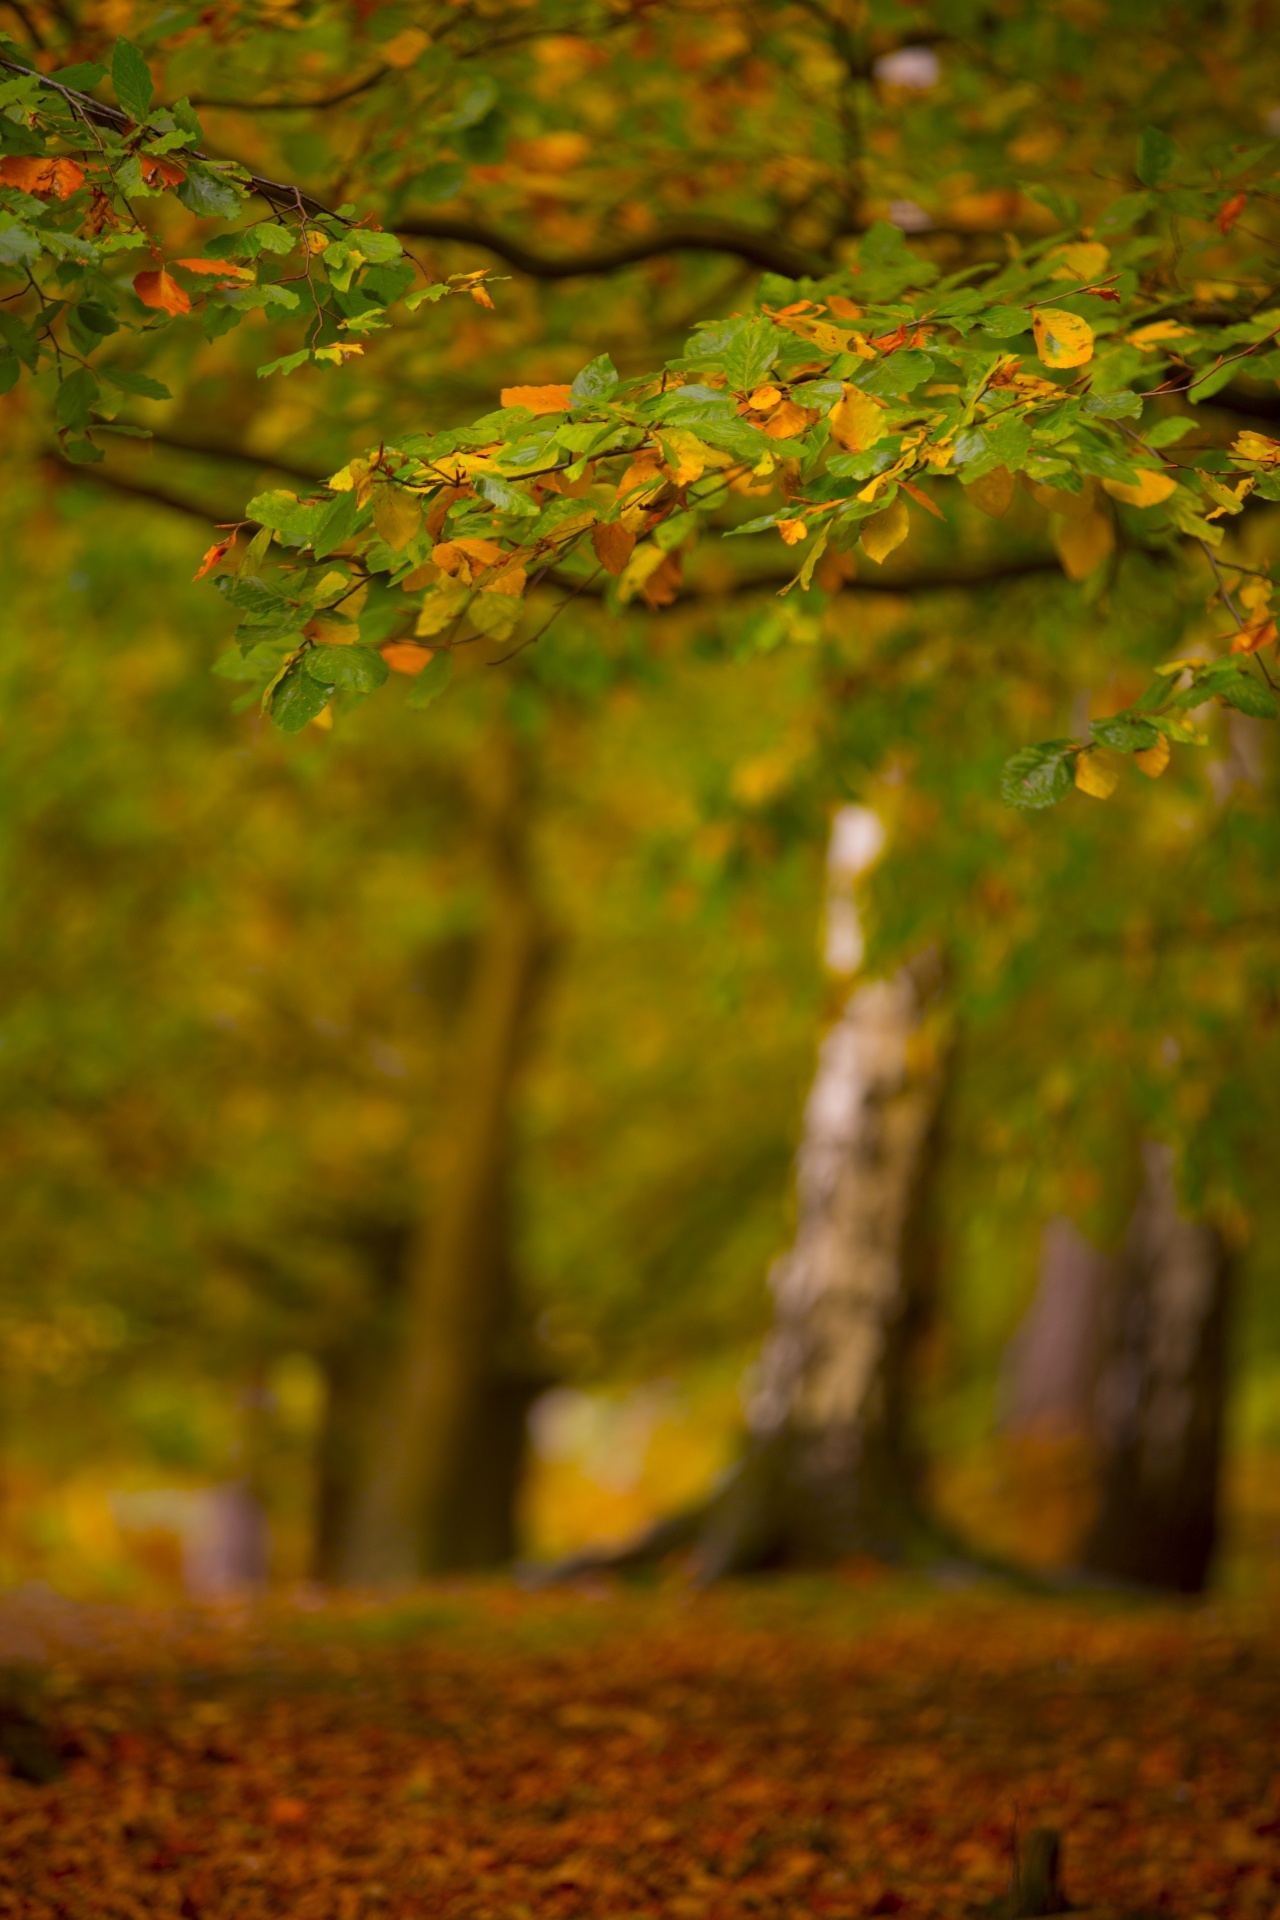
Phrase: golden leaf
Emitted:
{"points": [[403, 48], [786, 421], [644, 561], [1083, 545], [397, 516], [992, 493], [1147, 339], [1153, 760], [554, 399], [480, 296], [687, 457], [511, 581], [1062, 339], [1153, 487], [793, 531], [763, 398], [642, 475], [403, 657], [1098, 774], [885, 530], [612, 545], [1256, 447], [857, 421], [1082, 260], [1250, 638]]}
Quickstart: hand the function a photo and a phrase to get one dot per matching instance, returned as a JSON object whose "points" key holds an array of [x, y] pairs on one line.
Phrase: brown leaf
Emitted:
{"points": [[223, 269], [168, 172], [612, 545], [992, 493], [1229, 212], [663, 584], [156, 288]]}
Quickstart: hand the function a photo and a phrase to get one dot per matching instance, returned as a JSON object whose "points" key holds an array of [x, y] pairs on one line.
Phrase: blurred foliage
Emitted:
{"points": [[231, 961]]}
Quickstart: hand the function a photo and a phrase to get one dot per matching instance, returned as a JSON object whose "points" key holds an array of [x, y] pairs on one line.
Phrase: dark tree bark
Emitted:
{"points": [[437, 1490], [1050, 1373], [1162, 1395]]}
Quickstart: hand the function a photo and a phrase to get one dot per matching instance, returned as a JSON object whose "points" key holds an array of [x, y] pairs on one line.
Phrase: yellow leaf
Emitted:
{"points": [[397, 516], [644, 561], [403, 657], [1082, 260], [786, 421], [992, 493], [687, 458], [1062, 339], [538, 399], [857, 421], [793, 531], [1147, 339], [764, 398], [404, 48], [885, 530], [1098, 774], [1257, 447], [1083, 545], [1153, 487], [1153, 760], [323, 719]]}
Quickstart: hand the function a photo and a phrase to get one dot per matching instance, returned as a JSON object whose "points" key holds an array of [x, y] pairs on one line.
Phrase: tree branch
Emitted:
{"points": [[294, 106], [769, 251], [275, 192]]}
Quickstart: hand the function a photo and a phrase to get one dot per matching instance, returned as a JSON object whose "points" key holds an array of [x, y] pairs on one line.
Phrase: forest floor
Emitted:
{"points": [[845, 1747]]}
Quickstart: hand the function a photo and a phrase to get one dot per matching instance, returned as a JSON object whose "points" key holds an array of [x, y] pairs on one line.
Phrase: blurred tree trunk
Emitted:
{"points": [[830, 1467], [445, 1451], [1162, 1395]]}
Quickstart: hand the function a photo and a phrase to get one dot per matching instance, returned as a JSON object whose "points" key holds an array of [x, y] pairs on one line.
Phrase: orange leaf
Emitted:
{"points": [[403, 657], [922, 500], [537, 399], [1251, 638], [213, 556], [842, 308], [612, 545], [786, 421], [226, 268], [793, 531], [1229, 212], [33, 174], [156, 288], [763, 398], [481, 297], [170, 173]]}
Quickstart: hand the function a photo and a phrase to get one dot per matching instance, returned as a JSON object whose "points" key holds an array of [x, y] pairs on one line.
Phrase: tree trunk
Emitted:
{"points": [[830, 1467], [439, 1493], [1161, 1395]]}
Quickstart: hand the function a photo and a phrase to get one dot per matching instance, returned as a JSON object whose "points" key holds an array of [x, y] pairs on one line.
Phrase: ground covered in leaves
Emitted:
{"points": [[838, 1749]]}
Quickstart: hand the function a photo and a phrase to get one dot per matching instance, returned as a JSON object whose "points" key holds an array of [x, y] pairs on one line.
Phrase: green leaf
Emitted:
{"points": [[1038, 776], [1247, 695], [432, 681], [19, 338], [85, 74], [1167, 432], [207, 193], [337, 526], [288, 364], [1124, 734], [1123, 214], [17, 243], [1157, 156], [1113, 406], [501, 494], [140, 383], [75, 398], [751, 353], [297, 699], [595, 382], [131, 78], [347, 669]]}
